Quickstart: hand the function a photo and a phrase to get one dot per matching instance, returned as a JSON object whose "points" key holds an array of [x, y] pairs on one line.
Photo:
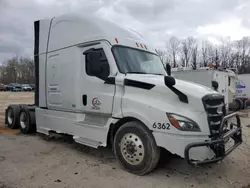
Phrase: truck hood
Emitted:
{"points": [[192, 90]]}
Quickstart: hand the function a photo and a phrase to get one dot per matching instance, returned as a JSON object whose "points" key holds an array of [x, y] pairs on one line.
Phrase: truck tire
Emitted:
{"points": [[239, 104], [244, 104], [26, 125], [135, 148], [247, 103], [12, 114]]}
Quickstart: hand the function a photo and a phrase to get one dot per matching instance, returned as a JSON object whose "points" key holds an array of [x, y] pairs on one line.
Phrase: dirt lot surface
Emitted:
{"points": [[32, 161]]}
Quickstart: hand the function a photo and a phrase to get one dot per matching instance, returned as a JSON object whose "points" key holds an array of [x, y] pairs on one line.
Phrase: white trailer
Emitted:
{"points": [[223, 81], [104, 84], [242, 95]]}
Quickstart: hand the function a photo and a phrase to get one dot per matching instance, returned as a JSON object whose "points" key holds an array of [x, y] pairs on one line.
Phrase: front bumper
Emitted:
{"points": [[218, 145]]}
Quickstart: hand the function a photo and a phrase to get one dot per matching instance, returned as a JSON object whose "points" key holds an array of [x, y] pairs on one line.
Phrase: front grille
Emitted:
{"points": [[215, 107]]}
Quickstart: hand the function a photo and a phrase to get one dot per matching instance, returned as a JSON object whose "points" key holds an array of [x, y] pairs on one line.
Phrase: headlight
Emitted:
{"points": [[183, 123]]}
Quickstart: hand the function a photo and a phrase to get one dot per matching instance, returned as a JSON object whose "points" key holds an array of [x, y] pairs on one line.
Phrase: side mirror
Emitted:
{"points": [[169, 81], [168, 69], [94, 65], [215, 85]]}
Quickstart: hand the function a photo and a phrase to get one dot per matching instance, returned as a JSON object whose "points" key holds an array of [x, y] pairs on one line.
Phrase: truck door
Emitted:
{"points": [[96, 94]]}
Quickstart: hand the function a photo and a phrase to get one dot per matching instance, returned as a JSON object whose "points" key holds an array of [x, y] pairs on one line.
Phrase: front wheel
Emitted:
{"points": [[135, 148]]}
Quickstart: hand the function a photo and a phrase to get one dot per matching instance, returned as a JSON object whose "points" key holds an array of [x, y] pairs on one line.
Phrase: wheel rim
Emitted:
{"points": [[10, 116], [132, 149], [23, 120]]}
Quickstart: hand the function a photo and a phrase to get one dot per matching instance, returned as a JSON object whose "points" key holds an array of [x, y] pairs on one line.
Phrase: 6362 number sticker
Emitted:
{"points": [[164, 126]]}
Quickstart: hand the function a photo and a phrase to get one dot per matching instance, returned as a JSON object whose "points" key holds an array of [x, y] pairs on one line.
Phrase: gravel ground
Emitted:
{"points": [[32, 161]]}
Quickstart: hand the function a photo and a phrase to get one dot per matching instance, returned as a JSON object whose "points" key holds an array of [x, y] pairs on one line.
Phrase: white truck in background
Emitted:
{"points": [[105, 85], [221, 80], [242, 95]]}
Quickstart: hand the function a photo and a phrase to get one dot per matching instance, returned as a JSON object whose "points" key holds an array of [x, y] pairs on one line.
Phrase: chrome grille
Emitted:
{"points": [[215, 108]]}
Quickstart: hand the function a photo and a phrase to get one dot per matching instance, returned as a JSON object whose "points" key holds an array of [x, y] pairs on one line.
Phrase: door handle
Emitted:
{"points": [[84, 100]]}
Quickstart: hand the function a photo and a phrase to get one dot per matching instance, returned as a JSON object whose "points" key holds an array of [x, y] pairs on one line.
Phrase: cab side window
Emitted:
{"points": [[103, 64]]}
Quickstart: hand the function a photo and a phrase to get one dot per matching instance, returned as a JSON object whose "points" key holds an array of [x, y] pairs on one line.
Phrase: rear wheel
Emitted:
{"points": [[135, 148], [239, 104], [12, 114], [26, 125], [244, 104]]}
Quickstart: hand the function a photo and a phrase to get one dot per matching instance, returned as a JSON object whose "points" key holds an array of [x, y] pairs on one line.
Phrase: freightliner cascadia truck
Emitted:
{"points": [[106, 86]]}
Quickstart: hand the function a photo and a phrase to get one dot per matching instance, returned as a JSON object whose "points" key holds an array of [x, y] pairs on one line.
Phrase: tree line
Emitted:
{"points": [[17, 70], [190, 52]]}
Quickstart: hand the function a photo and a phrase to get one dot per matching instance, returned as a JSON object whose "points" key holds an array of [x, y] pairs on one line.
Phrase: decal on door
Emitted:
{"points": [[96, 103]]}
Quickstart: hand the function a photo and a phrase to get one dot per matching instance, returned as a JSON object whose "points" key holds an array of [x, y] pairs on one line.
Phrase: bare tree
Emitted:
{"points": [[161, 53], [183, 62], [243, 48], [194, 56], [187, 46], [212, 50], [11, 69], [234, 60], [17, 70], [163, 56], [173, 46], [206, 52], [225, 51], [228, 53], [217, 58]]}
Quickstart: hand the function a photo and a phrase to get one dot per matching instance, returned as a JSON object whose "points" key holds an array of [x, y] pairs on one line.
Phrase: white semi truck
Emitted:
{"points": [[104, 84], [242, 95], [221, 80]]}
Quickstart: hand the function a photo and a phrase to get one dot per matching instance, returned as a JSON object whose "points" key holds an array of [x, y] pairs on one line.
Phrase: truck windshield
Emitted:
{"points": [[131, 60]]}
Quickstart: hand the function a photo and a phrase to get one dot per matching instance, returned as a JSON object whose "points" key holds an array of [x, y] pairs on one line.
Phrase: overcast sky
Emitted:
{"points": [[155, 19]]}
